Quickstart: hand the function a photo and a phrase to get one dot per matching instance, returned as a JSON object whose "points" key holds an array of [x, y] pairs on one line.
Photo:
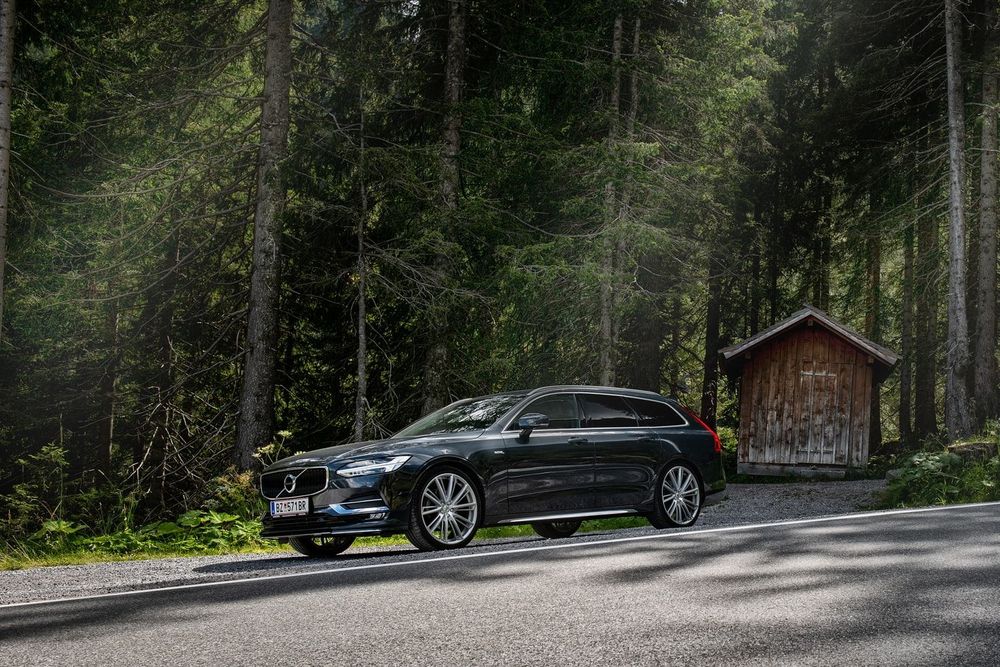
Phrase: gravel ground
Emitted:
{"points": [[747, 504]]}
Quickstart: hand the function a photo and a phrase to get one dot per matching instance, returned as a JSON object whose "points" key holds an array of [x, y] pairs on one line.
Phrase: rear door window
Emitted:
{"points": [[606, 411], [561, 410], [654, 413]]}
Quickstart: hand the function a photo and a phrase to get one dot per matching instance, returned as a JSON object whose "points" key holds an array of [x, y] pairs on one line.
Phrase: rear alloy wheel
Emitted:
{"points": [[323, 546], [444, 513], [679, 498], [556, 529]]}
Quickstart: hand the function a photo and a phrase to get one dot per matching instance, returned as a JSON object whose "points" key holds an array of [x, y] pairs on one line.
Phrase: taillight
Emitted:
{"points": [[717, 447]]}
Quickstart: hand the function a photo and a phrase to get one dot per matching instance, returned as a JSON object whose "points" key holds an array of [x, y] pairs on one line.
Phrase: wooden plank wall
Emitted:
{"points": [[805, 401]]}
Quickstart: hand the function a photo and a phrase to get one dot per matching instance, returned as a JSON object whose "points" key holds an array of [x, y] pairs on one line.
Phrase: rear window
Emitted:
{"points": [[654, 413], [606, 411]]}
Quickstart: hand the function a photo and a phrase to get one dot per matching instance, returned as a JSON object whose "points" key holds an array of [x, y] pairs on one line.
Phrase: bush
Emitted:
{"points": [[941, 478]]}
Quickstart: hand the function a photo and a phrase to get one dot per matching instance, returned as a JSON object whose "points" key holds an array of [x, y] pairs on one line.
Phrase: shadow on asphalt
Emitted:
{"points": [[355, 557], [813, 559]]}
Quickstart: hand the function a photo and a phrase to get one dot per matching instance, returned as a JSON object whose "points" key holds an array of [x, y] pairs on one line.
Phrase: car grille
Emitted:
{"points": [[307, 481]]}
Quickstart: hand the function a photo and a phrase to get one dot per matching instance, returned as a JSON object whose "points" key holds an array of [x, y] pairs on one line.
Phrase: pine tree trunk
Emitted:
{"points": [[606, 362], [710, 363], [256, 421], [436, 363], [958, 410], [107, 389], [7, 17], [926, 348], [753, 324], [906, 342], [985, 376], [674, 360], [361, 399], [873, 330]]}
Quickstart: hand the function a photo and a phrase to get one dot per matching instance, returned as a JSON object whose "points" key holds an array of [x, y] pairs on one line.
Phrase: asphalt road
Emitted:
{"points": [[906, 588]]}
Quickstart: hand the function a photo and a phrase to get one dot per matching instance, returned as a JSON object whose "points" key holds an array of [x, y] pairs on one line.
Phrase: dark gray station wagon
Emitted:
{"points": [[551, 457]]}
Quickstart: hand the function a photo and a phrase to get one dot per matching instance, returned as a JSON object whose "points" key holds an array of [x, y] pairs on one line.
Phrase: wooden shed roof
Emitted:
{"points": [[732, 356]]}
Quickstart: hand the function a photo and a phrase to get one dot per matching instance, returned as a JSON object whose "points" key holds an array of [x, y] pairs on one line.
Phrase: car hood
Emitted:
{"points": [[416, 445]]}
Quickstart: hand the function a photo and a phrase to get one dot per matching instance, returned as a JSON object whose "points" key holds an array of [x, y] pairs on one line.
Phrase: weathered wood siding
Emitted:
{"points": [[805, 401]]}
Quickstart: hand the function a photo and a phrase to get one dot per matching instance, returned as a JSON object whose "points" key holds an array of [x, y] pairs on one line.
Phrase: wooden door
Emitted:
{"points": [[825, 398]]}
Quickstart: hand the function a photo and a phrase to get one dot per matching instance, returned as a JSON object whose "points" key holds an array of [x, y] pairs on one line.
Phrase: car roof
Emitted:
{"points": [[595, 389], [581, 388]]}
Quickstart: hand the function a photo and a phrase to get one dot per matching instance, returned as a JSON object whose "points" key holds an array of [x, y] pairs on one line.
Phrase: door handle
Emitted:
{"points": [[578, 441]]}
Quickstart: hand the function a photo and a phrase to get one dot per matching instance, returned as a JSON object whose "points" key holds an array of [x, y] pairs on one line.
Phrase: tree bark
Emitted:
{"points": [[674, 359], [710, 363], [926, 347], [958, 410], [256, 421], [873, 330], [906, 343], [606, 362], [107, 388], [7, 17], [435, 367], [985, 377], [361, 400]]}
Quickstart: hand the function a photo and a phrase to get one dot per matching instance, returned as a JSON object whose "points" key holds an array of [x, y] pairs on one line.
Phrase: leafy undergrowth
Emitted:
{"points": [[941, 477]]}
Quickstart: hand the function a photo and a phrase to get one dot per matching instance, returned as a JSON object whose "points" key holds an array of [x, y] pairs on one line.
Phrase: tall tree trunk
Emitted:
{"points": [[435, 366], [958, 412], [7, 18], [906, 341], [926, 348], [674, 359], [873, 330], [107, 388], [753, 324], [710, 363], [256, 421], [606, 363], [985, 377], [361, 400]]}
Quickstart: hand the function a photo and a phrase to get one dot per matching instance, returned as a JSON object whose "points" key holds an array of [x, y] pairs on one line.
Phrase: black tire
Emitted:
{"points": [[454, 512], [323, 546], [692, 498], [555, 530]]}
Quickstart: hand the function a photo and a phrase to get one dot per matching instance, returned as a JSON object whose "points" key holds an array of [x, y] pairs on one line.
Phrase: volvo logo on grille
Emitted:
{"points": [[290, 480]]}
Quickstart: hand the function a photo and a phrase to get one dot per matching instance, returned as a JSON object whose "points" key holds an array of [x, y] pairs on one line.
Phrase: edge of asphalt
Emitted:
{"points": [[501, 552]]}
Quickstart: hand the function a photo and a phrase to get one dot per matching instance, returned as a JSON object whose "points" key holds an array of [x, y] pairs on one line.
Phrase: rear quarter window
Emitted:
{"points": [[654, 413], [606, 411]]}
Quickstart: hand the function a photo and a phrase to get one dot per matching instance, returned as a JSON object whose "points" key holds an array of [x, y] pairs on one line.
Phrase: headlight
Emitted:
{"points": [[372, 466]]}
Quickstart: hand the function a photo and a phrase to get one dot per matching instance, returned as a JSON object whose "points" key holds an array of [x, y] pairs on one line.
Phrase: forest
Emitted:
{"points": [[232, 229]]}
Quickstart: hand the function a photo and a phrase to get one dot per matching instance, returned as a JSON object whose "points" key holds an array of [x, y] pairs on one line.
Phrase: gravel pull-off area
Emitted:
{"points": [[746, 504]]}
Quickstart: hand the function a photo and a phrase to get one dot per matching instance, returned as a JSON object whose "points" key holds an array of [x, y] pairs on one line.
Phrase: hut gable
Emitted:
{"points": [[732, 356], [806, 386]]}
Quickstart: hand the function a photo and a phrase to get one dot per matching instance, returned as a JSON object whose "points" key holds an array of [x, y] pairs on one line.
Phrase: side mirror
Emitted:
{"points": [[527, 423]]}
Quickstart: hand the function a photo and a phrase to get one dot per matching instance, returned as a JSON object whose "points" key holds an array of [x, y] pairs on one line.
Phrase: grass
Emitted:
{"points": [[19, 558]]}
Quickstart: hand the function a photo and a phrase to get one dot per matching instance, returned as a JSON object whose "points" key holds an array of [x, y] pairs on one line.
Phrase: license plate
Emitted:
{"points": [[292, 507]]}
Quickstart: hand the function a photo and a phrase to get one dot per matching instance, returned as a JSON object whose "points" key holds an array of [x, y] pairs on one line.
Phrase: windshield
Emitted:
{"points": [[474, 414]]}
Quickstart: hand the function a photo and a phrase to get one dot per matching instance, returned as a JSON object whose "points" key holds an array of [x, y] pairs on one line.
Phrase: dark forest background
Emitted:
{"points": [[452, 198]]}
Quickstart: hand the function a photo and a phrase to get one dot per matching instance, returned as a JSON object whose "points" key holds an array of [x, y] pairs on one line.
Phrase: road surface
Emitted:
{"points": [[917, 587]]}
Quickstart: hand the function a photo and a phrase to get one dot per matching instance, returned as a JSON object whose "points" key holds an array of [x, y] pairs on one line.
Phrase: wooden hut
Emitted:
{"points": [[806, 388]]}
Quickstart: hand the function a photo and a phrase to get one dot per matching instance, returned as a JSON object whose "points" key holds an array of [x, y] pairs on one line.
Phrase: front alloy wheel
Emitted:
{"points": [[444, 513], [679, 498]]}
